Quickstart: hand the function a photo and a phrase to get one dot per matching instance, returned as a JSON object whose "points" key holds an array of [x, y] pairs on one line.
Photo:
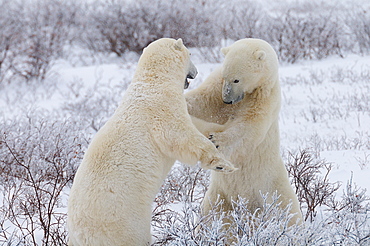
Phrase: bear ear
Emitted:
{"points": [[179, 44], [225, 50], [260, 55]]}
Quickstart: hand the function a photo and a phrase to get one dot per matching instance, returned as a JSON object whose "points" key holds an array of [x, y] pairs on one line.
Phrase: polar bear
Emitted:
{"points": [[128, 159], [243, 97]]}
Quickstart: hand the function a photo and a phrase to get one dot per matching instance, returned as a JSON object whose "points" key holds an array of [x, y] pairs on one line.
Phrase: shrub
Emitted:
{"points": [[297, 36], [309, 178], [29, 45], [358, 22], [39, 157]]}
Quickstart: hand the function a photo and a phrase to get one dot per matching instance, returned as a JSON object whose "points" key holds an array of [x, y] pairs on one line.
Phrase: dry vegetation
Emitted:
{"points": [[40, 150]]}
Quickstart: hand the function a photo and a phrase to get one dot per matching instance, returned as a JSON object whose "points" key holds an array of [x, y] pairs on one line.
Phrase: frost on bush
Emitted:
{"points": [[358, 21], [29, 45], [187, 226], [183, 181], [309, 177], [297, 36], [122, 26], [304, 30], [45, 31], [93, 106], [39, 157], [350, 218], [268, 226], [330, 220], [118, 26], [9, 31]]}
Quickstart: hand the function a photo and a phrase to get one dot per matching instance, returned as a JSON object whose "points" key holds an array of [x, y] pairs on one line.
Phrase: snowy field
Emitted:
{"points": [[65, 66], [325, 111], [326, 106]]}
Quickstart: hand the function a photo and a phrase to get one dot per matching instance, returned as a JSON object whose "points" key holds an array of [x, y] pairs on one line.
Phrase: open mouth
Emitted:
{"points": [[186, 85]]}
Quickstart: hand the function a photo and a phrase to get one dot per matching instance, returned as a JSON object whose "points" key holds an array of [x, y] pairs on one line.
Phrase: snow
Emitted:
{"points": [[306, 119], [325, 107], [320, 115], [349, 163]]}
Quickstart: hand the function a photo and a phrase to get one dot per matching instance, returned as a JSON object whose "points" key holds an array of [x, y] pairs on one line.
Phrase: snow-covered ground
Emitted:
{"points": [[326, 105], [326, 108], [334, 115]]}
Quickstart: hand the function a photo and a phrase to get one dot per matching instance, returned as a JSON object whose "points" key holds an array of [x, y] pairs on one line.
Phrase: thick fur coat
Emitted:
{"points": [[130, 156], [243, 97]]}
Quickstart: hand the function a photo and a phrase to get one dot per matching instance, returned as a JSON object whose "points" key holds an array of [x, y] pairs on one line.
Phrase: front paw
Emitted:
{"points": [[222, 165], [213, 128], [217, 139]]}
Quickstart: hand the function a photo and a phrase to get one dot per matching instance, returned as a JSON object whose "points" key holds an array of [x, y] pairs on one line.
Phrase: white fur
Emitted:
{"points": [[250, 135], [128, 159]]}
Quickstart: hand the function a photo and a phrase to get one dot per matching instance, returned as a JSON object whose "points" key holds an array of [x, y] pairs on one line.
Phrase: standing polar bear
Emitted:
{"points": [[243, 96], [128, 159]]}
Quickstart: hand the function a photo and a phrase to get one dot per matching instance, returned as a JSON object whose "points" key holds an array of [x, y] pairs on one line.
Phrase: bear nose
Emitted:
{"points": [[230, 95], [192, 74]]}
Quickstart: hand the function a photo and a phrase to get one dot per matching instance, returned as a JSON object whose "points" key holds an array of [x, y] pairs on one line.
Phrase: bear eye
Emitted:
{"points": [[236, 81]]}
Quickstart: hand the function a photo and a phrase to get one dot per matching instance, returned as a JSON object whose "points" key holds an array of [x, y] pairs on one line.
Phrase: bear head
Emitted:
{"points": [[168, 55], [249, 64]]}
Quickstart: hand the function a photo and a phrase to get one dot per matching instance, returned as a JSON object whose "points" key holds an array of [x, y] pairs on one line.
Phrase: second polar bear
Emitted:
{"points": [[128, 159], [243, 96]]}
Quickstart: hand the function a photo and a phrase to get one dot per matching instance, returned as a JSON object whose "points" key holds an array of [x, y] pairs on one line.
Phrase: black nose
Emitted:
{"points": [[231, 102], [190, 76]]}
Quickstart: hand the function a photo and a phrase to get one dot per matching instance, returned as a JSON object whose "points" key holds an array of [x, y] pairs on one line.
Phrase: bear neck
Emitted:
{"points": [[264, 91]]}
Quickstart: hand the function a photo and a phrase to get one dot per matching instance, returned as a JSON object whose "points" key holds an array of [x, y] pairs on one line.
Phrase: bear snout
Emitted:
{"points": [[232, 98]]}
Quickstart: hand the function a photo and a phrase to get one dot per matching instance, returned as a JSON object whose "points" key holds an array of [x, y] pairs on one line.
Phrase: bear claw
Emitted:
{"points": [[225, 168]]}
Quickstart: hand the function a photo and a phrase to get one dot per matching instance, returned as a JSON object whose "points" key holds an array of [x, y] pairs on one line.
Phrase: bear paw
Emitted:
{"points": [[221, 165], [218, 139]]}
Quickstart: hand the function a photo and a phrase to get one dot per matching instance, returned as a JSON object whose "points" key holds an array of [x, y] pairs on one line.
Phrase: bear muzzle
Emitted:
{"points": [[191, 75], [186, 85], [238, 99], [229, 96]]}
